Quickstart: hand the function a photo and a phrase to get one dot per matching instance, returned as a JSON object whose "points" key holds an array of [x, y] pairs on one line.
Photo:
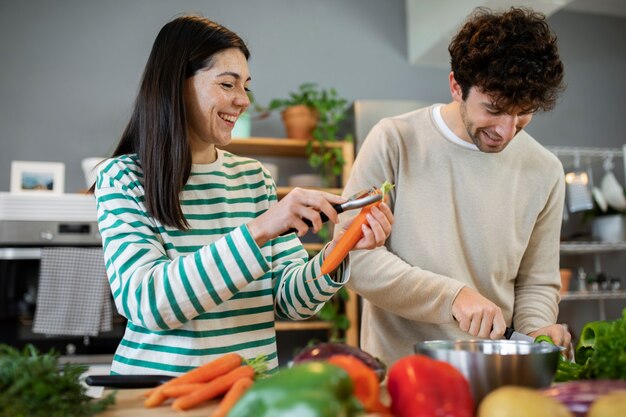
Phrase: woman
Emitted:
{"points": [[192, 234]]}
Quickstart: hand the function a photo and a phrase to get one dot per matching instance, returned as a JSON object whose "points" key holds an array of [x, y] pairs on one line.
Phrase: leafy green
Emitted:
{"points": [[35, 385], [607, 359]]}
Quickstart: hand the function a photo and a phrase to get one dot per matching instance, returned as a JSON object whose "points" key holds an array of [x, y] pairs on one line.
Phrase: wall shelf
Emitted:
{"points": [[570, 248], [593, 295]]}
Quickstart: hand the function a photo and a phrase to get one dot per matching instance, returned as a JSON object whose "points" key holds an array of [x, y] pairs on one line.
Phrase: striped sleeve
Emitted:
{"points": [[300, 290], [150, 289]]}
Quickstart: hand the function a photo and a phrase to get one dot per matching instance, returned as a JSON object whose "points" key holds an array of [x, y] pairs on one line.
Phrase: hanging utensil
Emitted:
{"points": [[611, 189], [578, 194]]}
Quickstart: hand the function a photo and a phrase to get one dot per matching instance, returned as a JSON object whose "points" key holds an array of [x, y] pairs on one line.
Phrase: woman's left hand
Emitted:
{"points": [[375, 231]]}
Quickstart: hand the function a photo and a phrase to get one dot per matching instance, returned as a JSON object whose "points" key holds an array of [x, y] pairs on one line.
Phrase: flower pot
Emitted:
{"points": [[609, 228], [566, 277], [299, 121]]}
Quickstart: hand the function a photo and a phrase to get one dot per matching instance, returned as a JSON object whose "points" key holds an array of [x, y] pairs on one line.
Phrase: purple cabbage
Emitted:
{"points": [[577, 396]]}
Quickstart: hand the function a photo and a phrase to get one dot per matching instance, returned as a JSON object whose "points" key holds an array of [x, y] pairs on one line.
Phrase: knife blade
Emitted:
{"points": [[511, 334], [126, 381]]}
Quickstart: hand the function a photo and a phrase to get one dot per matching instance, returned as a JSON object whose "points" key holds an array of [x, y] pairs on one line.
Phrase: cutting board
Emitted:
{"points": [[129, 403]]}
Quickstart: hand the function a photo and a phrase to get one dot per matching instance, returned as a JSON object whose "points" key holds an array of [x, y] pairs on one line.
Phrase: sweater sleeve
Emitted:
{"points": [[538, 280], [300, 290], [150, 289], [379, 275]]}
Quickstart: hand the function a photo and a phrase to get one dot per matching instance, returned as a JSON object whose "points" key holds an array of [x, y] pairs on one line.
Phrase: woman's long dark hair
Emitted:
{"points": [[157, 130]]}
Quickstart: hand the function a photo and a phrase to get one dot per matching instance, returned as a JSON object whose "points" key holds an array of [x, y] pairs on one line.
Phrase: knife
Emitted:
{"points": [[126, 381], [511, 334]]}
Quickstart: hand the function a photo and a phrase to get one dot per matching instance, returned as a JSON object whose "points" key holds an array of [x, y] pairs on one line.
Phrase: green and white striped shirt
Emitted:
{"points": [[193, 295]]}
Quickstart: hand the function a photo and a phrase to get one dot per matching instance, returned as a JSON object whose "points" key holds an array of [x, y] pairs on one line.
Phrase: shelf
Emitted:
{"points": [[282, 191], [573, 151], [594, 295], [303, 325], [274, 146], [591, 247]]}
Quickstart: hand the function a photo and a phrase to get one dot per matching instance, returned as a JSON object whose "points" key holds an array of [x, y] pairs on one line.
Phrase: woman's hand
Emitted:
{"points": [[288, 213], [375, 231]]}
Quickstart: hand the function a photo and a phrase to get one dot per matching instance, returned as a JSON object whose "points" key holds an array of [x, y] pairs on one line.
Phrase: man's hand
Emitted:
{"points": [[477, 315], [559, 335]]}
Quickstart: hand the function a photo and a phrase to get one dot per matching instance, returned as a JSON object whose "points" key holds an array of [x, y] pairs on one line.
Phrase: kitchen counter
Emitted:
{"points": [[129, 403]]}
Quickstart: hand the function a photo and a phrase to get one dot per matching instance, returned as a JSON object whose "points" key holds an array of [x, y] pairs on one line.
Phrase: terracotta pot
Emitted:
{"points": [[299, 121], [566, 276]]}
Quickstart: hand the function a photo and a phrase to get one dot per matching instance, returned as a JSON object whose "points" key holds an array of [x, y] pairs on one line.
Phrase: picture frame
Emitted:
{"points": [[30, 177]]}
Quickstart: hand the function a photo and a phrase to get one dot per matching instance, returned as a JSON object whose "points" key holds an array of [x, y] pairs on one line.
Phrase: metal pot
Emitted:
{"points": [[489, 364]]}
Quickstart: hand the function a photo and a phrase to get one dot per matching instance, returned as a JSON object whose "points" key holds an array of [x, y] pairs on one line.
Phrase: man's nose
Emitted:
{"points": [[507, 127]]}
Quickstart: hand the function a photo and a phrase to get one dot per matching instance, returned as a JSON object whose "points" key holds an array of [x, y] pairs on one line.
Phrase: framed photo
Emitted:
{"points": [[37, 177]]}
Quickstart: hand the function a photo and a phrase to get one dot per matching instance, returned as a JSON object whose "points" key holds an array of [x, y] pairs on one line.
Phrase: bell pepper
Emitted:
{"points": [[423, 387], [312, 389], [588, 336], [365, 381], [566, 370]]}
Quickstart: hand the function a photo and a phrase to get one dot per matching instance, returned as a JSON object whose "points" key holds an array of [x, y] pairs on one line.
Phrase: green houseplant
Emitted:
{"points": [[328, 110]]}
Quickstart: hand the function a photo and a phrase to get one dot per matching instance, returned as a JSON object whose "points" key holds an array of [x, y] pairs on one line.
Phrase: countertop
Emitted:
{"points": [[129, 403]]}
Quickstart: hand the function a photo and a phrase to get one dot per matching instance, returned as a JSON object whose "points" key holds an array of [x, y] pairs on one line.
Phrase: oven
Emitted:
{"points": [[24, 237]]}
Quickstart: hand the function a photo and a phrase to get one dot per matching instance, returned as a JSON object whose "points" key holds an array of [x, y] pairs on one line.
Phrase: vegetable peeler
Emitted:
{"points": [[358, 200]]}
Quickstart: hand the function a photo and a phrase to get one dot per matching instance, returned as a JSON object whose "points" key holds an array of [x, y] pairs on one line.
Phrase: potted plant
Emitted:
{"points": [[321, 112]]}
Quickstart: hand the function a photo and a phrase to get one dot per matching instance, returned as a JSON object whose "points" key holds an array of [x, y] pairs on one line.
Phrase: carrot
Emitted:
{"points": [[214, 388], [175, 391], [232, 396], [354, 233], [155, 398], [203, 373]]}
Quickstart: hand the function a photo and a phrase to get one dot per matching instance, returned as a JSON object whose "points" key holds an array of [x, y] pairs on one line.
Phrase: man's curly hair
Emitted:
{"points": [[512, 56]]}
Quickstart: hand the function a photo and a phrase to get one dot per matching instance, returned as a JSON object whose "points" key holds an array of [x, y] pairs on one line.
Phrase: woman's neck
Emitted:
{"points": [[205, 155]]}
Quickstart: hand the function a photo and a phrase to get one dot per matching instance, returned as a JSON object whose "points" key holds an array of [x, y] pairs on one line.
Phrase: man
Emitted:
{"points": [[478, 203]]}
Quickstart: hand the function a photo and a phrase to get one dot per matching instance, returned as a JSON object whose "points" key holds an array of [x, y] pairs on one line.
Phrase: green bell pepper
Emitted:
{"points": [[310, 389], [588, 336], [566, 370]]}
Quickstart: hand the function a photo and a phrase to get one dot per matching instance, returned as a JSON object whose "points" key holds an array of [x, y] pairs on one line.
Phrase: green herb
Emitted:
{"points": [[607, 359], [34, 385]]}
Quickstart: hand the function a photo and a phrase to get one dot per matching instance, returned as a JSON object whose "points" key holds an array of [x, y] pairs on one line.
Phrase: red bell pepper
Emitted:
{"points": [[424, 387]]}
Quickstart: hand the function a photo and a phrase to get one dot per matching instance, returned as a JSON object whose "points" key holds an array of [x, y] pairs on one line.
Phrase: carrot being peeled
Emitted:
{"points": [[351, 237], [232, 396], [213, 389]]}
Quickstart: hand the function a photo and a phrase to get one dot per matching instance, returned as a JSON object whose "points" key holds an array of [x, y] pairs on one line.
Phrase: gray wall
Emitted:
{"points": [[69, 69]]}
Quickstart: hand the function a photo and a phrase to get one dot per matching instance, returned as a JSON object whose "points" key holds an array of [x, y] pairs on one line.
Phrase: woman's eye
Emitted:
{"points": [[227, 85]]}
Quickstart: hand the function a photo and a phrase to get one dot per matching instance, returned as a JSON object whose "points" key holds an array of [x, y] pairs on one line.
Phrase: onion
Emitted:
{"points": [[323, 351], [577, 396]]}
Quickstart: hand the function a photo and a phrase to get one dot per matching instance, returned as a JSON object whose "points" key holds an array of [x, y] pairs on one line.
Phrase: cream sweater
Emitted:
{"points": [[462, 218]]}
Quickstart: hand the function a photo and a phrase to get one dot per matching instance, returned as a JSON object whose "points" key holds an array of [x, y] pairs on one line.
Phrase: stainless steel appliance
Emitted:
{"points": [[28, 224]]}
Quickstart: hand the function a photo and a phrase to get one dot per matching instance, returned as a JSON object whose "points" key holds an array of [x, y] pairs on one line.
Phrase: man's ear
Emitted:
{"points": [[455, 88]]}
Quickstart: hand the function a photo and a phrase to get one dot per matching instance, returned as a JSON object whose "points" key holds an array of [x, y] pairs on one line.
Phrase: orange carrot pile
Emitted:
{"points": [[232, 396], [213, 389], [204, 373], [351, 237]]}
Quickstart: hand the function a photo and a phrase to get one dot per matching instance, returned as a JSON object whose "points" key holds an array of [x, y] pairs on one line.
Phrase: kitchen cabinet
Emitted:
{"points": [[282, 148], [580, 252]]}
